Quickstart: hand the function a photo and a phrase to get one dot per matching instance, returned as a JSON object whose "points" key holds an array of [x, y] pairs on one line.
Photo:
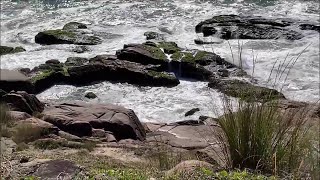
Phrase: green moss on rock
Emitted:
{"points": [[160, 75], [156, 52], [10, 50], [42, 75], [169, 47], [183, 57], [60, 33]]}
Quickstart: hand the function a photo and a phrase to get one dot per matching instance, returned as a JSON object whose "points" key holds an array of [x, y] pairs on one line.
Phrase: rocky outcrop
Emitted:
{"points": [[244, 90], [310, 27], [84, 120], [246, 27], [81, 71], [23, 102], [10, 50]]}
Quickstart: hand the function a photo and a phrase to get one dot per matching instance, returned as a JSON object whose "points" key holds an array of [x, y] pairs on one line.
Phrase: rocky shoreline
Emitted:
{"points": [[154, 63]]}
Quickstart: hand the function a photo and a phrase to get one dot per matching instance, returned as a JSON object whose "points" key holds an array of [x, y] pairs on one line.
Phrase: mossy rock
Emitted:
{"points": [[10, 50], [74, 25], [153, 35], [65, 37], [169, 47], [245, 90], [183, 57], [155, 52], [163, 78]]}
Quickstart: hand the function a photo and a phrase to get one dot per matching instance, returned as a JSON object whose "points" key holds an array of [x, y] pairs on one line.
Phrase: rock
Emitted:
{"points": [[143, 53], [14, 80], [190, 167], [199, 41], [66, 37], [17, 115], [197, 64], [110, 137], [10, 50], [56, 169], [24, 102], [244, 90], [76, 61], [68, 136], [154, 35], [52, 61], [191, 112], [24, 159], [99, 133], [168, 47], [309, 27], [74, 25], [108, 68], [79, 119], [245, 27], [90, 95], [45, 128], [81, 49]]}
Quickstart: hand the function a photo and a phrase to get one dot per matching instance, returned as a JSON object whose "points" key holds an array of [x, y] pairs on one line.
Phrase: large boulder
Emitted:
{"points": [[14, 80], [10, 50], [59, 36], [246, 27], [244, 90], [23, 102], [79, 119]]}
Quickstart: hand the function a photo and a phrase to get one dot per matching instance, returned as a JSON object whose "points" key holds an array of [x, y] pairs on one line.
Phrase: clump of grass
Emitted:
{"points": [[59, 143], [6, 121], [260, 137], [25, 133]]}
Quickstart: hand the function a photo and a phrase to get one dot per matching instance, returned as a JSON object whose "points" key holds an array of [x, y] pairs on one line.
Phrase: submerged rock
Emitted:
{"points": [[191, 112], [244, 90], [74, 25], [150, 35], [90, 95], [10, 50], [245, 27]]}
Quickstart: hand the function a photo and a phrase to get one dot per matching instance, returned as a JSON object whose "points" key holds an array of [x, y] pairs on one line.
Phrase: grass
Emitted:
{"points": [[5, 121]]}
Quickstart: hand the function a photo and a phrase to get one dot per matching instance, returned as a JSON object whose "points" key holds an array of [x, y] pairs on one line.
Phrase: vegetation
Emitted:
{"points": [[5, 121], [260, 137], [156, 52]]}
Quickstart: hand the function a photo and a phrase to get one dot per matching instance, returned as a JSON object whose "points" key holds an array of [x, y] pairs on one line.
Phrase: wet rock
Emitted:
{"points": [[23, 102], [309, 27], [191, 112], [244, 27], [81, 49], [79, 119], [57, 169], [52, 61], [90, 95], [199, 41], [143, 53], [168, 47], [244, 90], [76, 61], [10, 50], [66, 37], [154, 35], [14, 80], [74, 25]]}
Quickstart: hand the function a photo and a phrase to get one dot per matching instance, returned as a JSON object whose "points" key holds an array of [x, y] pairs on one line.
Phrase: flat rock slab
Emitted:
{"points": [[80, 118], [57, 169]]}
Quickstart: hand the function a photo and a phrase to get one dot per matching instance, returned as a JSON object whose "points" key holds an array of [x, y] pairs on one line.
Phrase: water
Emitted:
{"points": [[125, 21]]}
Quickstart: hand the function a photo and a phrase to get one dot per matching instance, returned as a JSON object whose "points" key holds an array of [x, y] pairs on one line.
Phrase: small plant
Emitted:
{"points": [[260, 137], [5, 121], [25, 133]]}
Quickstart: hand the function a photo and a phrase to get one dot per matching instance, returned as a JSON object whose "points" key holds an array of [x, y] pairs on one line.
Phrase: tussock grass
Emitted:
{"points": [[5, 121]]}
